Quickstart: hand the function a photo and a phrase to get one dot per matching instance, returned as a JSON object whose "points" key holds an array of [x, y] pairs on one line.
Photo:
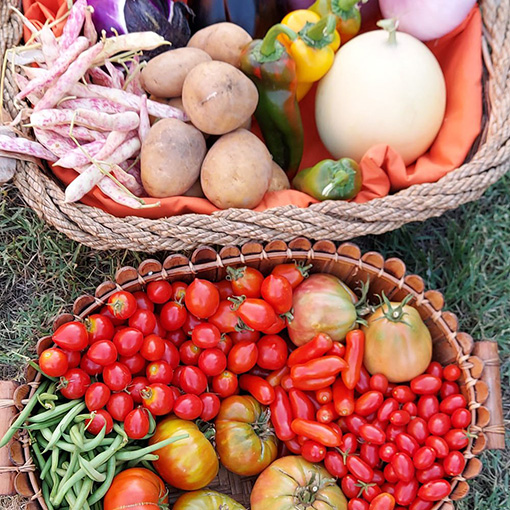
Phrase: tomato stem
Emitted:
{"points": [[236, 301], [235, 273], [395, 314]]}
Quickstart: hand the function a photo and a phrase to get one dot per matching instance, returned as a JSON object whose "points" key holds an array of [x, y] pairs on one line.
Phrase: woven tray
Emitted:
{"points": [[333, 220], [346, 262]]}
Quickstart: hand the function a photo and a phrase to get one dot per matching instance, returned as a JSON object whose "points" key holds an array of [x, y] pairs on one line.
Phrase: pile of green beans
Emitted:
{"points": [[77, 470]]}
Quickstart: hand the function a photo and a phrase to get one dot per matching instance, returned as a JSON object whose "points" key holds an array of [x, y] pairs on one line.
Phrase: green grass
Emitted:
{"points": [[465, 254]]}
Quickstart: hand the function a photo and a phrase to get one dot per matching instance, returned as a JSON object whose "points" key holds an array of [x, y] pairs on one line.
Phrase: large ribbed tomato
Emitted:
{"points": [[136, 489], [187, 464], [245, 440], [322, 304], [397, 342], [292, 482], [206, 500]]}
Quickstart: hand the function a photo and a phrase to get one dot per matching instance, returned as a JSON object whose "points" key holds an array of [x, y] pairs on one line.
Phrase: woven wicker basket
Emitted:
{"points": [[333, 220], [352, 267]]}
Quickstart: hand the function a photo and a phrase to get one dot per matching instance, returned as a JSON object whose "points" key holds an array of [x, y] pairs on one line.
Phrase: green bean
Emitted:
{"points": [[70, 470], [49, 415], [120, 430], [100, 492], [71, 499], [66, 421], [46, 434], [42, 425], [92, 444], [45, 470], [149, 449], [76, 437], [38, 368], [149, 466], [90, 471], [41, 463], [150, 457], [81, 500], [18, 423], [46, 494]]}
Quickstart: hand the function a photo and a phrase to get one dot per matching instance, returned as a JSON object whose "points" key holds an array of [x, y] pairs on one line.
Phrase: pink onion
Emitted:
{"points": [[427, 19]]}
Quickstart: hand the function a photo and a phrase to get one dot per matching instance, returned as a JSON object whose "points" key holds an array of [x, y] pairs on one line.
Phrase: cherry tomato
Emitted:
{"points": [[287, 383], [439, 424], [454, 463], [176, 338], [372, 434], [73, 358], [191, 323], [383, 501], [143, 320], [159, 372], [246, 281], [379, 382], [106, 312], [456, 439], [225, 318], [364, 381], [370, 454], [122, 304], [424, 457], [405, 492], [171, 354], [272, 352], [411, 408], [189, 353], [159, 330], [96, 396], [368, 403], [334, 463], [99, 327], [120, 405], [337, 349], [239, 336], [389, 474], [277, 291], [294, 272], [71, 336], [225, 384], [349, 486], [417, 428], [224, 288], [311, 450], [379, 479], [403, 466], [389, 488], [53, 362], [392, 431], [426, 384], [435, 369], [451, 372], [242, 357], [449, 388], [152, 348], [461, 418], [212, 362], [439, 445], [407, 444], [324, 395], [211, 406], [277, 327], [435, 490], [359, 468], [206, 336], [193, 380], [355, 422], [387, 450], [173, 316], [135, 363], [419, 504], [225, 344], [370, 492], [116, 376], [400, 417], [453, 402], [188, 407], [428, 405], [100, 418], [202, 298], [127, 341], [388, 407], [143, 302], [135, 386], [176, 381], [159, 292], [103, 352], [350, 443], [434, 472], [88, 366], [137, 423], [357, 504], [403, 394], [256, 314], [158, 399], [327, 413], [74, 383]]}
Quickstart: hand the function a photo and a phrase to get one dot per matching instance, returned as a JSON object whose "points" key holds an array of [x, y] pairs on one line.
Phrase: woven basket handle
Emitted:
{"points": [[7, 412], [487, 351]]}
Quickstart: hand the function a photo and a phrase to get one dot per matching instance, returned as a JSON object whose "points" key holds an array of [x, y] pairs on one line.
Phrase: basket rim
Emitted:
{"points": [[211, 265]]}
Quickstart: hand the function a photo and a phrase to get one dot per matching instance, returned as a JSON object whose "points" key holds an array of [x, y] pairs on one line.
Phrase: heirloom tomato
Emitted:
{"points": [[292, 482], [189, 463], [206, 500], [245, 439]]}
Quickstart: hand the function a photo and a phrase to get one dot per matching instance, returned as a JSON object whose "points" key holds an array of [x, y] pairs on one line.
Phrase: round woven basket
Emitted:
{"points": [[480, 371], [331, 219]]}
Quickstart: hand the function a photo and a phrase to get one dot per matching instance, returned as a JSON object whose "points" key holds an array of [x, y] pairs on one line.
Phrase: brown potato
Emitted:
{"points": [[164, 75], [236, 171], [223, 41], [279, 180], [171, 158], [218, 97]]}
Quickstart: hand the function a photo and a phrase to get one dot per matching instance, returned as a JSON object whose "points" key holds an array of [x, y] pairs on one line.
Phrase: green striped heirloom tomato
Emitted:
{"points": [[206, 500]]}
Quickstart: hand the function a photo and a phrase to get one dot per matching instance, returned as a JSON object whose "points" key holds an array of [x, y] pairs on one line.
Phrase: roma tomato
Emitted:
{"points": [[417, 428], [407, 444], [258, 388], [158, 399], [171, 354], [87, 365], [74, 383], [103, 352], [324, 396], [142, 301], [225, 384], [277, 291], [97, 396], [368, 403], [137, 423], [143, 320], [434, 472], [206, 500], [383, 501], [212, 362], [405, 492], [419, 504], [293, 482], [122, 304], [335, 464], [127, 341], [152, 348], [53, 362], [454, 463], [313, 451], [428, 405], [245, 440], [359, 469], [451, 372], [246, 281], [189, 353], [211, 406], [71, 336], [435, 490], [225, 319], [400, 417], [272, 352], [358, 504], [242, 357], [439, 445], [173, 316], [456, 439], [403, 394], [439, 424], [100, 418], [403, 466], [136, 488], [159, 372], [135, 363], [379, 382], [135, 386], [202, 298], [387, 450], [99, 327], [193, 380], [426, 384], [350, 486], [372, 434], [120, 405], [116, 376], [301, 405], [159, 292], [461, 418], [424, 457], [188, 407], [411, 408], [206, 336], [321, 432], [453, 402], [449, 388]]}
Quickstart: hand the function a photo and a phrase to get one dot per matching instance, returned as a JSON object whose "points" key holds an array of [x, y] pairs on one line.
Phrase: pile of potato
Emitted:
{"points": [[205, 81]]}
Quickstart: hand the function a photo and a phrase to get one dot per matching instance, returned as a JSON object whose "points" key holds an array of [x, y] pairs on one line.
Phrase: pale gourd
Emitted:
{"points": [[385, 87]]}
